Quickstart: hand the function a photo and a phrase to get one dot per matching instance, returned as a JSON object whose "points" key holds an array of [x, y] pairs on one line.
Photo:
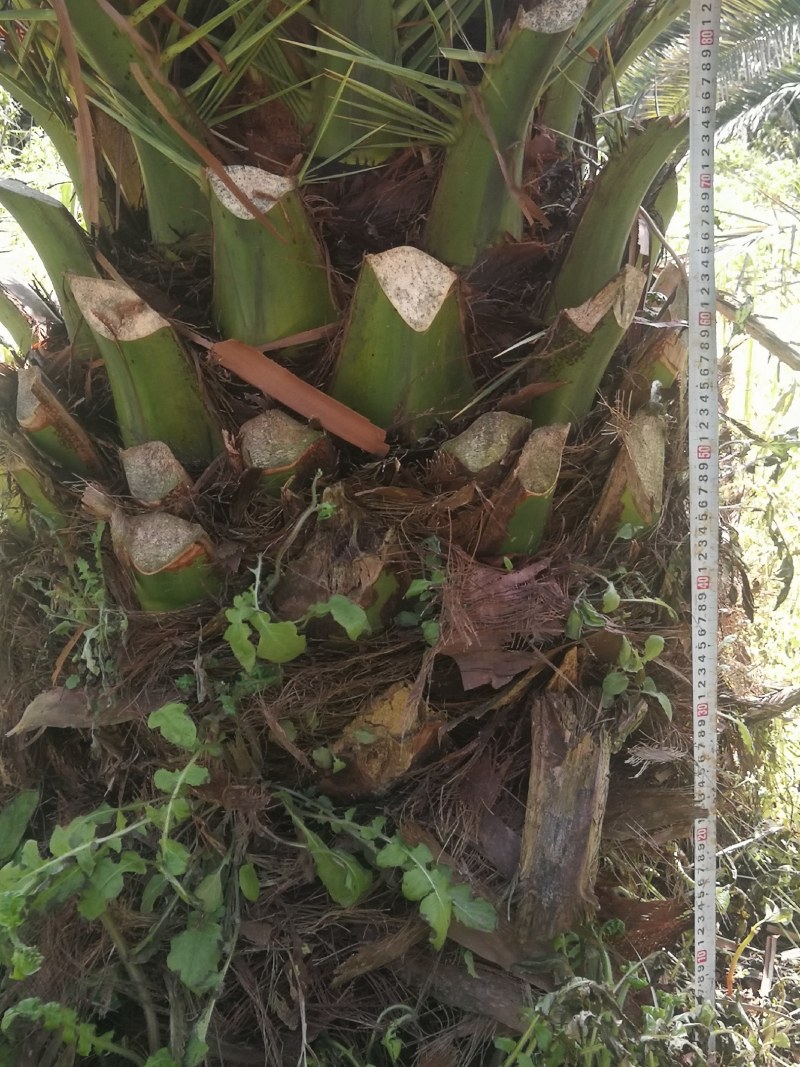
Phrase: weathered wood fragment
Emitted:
{"points": [[567, 794]]}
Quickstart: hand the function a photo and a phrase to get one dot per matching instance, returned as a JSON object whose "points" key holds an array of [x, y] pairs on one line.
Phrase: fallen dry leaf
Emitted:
{"points": [[285, 387]]}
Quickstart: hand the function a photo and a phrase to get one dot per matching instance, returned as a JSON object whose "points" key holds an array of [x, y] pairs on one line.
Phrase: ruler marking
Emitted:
{"points": [[703, 407]]}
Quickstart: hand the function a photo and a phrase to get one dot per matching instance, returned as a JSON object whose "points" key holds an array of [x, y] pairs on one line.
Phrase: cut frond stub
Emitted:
{"points": [[403, 361], [282, 449], [157, 395], [270, 276], [171, 561]]}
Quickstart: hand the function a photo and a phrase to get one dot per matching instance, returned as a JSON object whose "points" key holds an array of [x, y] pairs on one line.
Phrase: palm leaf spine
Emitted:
{"points": [[23, 314], [270, 281], [176, 203], [335, 113], [403, 360], [597, 248], [476, 203], [156, 394], [62, 246]]}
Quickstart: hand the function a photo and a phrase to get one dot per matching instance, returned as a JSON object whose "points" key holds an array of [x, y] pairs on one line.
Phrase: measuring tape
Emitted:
{"points": [[703, 409]]}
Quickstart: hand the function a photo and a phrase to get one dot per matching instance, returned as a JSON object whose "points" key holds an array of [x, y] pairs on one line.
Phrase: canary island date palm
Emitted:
{"points": [[350, 281]]}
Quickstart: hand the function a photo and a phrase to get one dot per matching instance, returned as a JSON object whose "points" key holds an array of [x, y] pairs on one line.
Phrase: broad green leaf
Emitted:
{"points": [[209, 892], [66, 884], [430, 631], [590, 615], [472, 911], [279, 642], [323, 757], [174, 856], [666, 704], [341, 874], [419, 881], [394, 854], [350, 616], [238, 636], [162, 1058], [746, 737], [168, 781], [611, 599], [248, 882], [14, 819], [614, 683], [417, 587], [152, 891], [107, 882], [653, 647], [436, 908], [194, 955], [196, 1051], [25, 961], [574, 625], [175, 725]]}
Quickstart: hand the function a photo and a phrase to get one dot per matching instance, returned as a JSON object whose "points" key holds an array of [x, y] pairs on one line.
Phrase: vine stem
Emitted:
{"points": [[138, 979]]}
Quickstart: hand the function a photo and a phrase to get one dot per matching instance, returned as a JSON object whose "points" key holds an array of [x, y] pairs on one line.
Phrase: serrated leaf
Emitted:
{"points": [[194, 955], [238, 637], [209, 892], [175, 725], [472, 911], [653, 647], [611, 599], [248, 882], [279, 642], [436, 908], [14, 819], [174, 856]]}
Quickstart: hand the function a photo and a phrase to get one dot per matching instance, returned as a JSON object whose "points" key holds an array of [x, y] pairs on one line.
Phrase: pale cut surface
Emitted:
{"points": [[415, 283], [152, 471], [540, 461], [488, 440], [113, 310], [263, 188], [275, 439], [553, 16], [155, 541]]}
